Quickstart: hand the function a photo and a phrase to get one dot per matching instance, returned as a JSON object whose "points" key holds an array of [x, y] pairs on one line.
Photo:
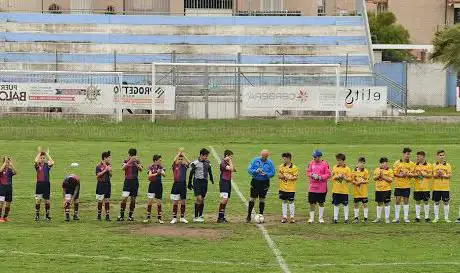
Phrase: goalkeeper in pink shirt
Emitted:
{"points": [[318, 173]]}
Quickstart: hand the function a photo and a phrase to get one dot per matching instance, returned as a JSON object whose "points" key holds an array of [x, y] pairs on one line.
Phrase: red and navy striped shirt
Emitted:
{"points": [[132, 169], [43, 172], [105, 178], [224, 173], [6, 177], [155, 169], [179, 172]]}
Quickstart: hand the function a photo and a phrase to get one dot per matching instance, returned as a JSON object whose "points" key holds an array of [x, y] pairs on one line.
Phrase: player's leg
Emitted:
{"points": [[76, 205], [175, 207], [124, 199], [262, 194], [291, 202], [426, 205], [365, 210], [418, 206], [436, 199], [284, 206], [183, 199], [356, 210], [150, 200], [336, 208], [6, 210], [67, 200], [252, 200], [222, 204], [38, 198], [2, 204], [445, 200], [100, 203], [345, 208], [132, 202], [398, 199], [204, 192], [458, 219], [406, 195], [158, 198], [107, 208]]}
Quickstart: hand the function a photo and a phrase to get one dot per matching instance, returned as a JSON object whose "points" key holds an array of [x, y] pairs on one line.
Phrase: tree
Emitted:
{"points": [[384, 30], [447, 47]]}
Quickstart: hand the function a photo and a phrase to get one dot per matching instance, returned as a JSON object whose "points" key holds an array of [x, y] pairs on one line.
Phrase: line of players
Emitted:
{"points": [[261, 169]]}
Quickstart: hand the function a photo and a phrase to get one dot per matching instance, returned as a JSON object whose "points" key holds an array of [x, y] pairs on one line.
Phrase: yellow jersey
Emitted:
{"points": [[423, 174], [291, 174], [360, 191], [380, 184], [406, 167], [340, 185], [441, 184]]}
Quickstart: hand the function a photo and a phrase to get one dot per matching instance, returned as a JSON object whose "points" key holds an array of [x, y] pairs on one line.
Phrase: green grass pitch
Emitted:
{"points": [[92, 246]]}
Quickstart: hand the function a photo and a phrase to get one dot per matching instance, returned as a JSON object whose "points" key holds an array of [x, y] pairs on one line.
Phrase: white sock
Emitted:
{"points": [[387, 212], [397, 211], [345, 212], [321, 212], [312, 215], [446, 211], [336, 212], [292, 209], [417, 211], [366, 212], [284, 209], [427, 211], [356, 212], [406, 211], [379, 212], [436, 211], [458, 212]]}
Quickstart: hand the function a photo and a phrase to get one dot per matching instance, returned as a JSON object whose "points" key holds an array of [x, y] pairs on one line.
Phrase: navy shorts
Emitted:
{"points": [[441, 195], [7, 192], [225, 187], [316, 197], [71, 190], [339, 198], [155, 190], [363, 200], [200, 187], [103, 188], [43, 189], [383, 196], [259, 188], [131, 186], [402, 192], [179, 188], [286, 196], [422, 196]]}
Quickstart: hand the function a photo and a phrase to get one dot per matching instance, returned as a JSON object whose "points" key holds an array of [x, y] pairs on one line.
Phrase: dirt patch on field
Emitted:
{"points": [[181, 232]]}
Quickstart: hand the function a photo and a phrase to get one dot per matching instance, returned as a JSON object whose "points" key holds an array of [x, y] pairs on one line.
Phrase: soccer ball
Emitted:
{"points": [[259, 218], [74, 165]]}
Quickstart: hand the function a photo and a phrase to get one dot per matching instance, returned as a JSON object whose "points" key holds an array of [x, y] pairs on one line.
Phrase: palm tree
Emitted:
{"points": [[447, 47]]}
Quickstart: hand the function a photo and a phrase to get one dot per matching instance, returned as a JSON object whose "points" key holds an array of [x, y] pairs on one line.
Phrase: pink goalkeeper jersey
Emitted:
{"points": [[320, 168]]}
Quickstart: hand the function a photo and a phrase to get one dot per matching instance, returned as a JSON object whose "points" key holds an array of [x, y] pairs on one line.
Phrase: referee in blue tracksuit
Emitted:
{"points": [[261, 169]]}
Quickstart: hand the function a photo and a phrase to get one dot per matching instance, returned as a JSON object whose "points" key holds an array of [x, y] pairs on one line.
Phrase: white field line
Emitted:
{"points": [[129, 258], [271, 244]]}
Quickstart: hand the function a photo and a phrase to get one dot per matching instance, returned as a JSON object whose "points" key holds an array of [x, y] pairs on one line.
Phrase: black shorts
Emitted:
{"points": [[179, 188], [363, 200], [131, 186], [402, 192], [441, 195], [383, 196], [155, 190], [71, 191], [200, 187], [225, 187], [103, 188], [422, 196], [316, 197], [7, 192], [259, 188], [286, 196], [339, 198], [43, 189]]}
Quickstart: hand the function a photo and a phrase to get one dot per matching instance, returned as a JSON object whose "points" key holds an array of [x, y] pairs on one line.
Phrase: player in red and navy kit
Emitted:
{"points": [[225, 183], [179, 187], [132, 166], [71, 193], [43, 186], [155, 192], [104, 186], [7, 171]]}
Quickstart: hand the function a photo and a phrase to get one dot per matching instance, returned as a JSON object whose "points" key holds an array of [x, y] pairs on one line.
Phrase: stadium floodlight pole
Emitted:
{"points": [[154, 83]]}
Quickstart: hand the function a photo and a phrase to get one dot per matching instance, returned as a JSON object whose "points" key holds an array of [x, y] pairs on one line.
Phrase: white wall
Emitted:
{"points": [[426, 84]]}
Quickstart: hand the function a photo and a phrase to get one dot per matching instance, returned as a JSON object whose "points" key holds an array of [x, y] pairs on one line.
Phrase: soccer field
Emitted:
{"points": [[92, 246]]}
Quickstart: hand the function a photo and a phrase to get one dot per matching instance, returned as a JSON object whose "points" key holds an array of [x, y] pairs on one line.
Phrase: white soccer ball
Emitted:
{"points": [[74, 165], [259, 218]]}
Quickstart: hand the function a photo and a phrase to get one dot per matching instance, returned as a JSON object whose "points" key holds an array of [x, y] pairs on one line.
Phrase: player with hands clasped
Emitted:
{"points": [[132, 166], [318, 173], [7, 171], [200, 169], [43, 164], [225, 184], [155, 192]]}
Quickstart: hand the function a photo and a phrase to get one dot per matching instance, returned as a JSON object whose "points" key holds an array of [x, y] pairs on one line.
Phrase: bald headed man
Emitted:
{"points": [[261, 170]]}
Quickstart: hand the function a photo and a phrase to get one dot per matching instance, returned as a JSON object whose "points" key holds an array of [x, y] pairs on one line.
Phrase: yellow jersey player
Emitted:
{"points": [[383, 177], [360, 184], [442, 172], [423, 173], [341, 176], [288, 173], [403, 171]]}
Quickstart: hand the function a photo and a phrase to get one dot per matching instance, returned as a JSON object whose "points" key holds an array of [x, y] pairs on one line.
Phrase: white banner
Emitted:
{"points": [[140, 96], [56, 95], [314, 98], [458, 98]]}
